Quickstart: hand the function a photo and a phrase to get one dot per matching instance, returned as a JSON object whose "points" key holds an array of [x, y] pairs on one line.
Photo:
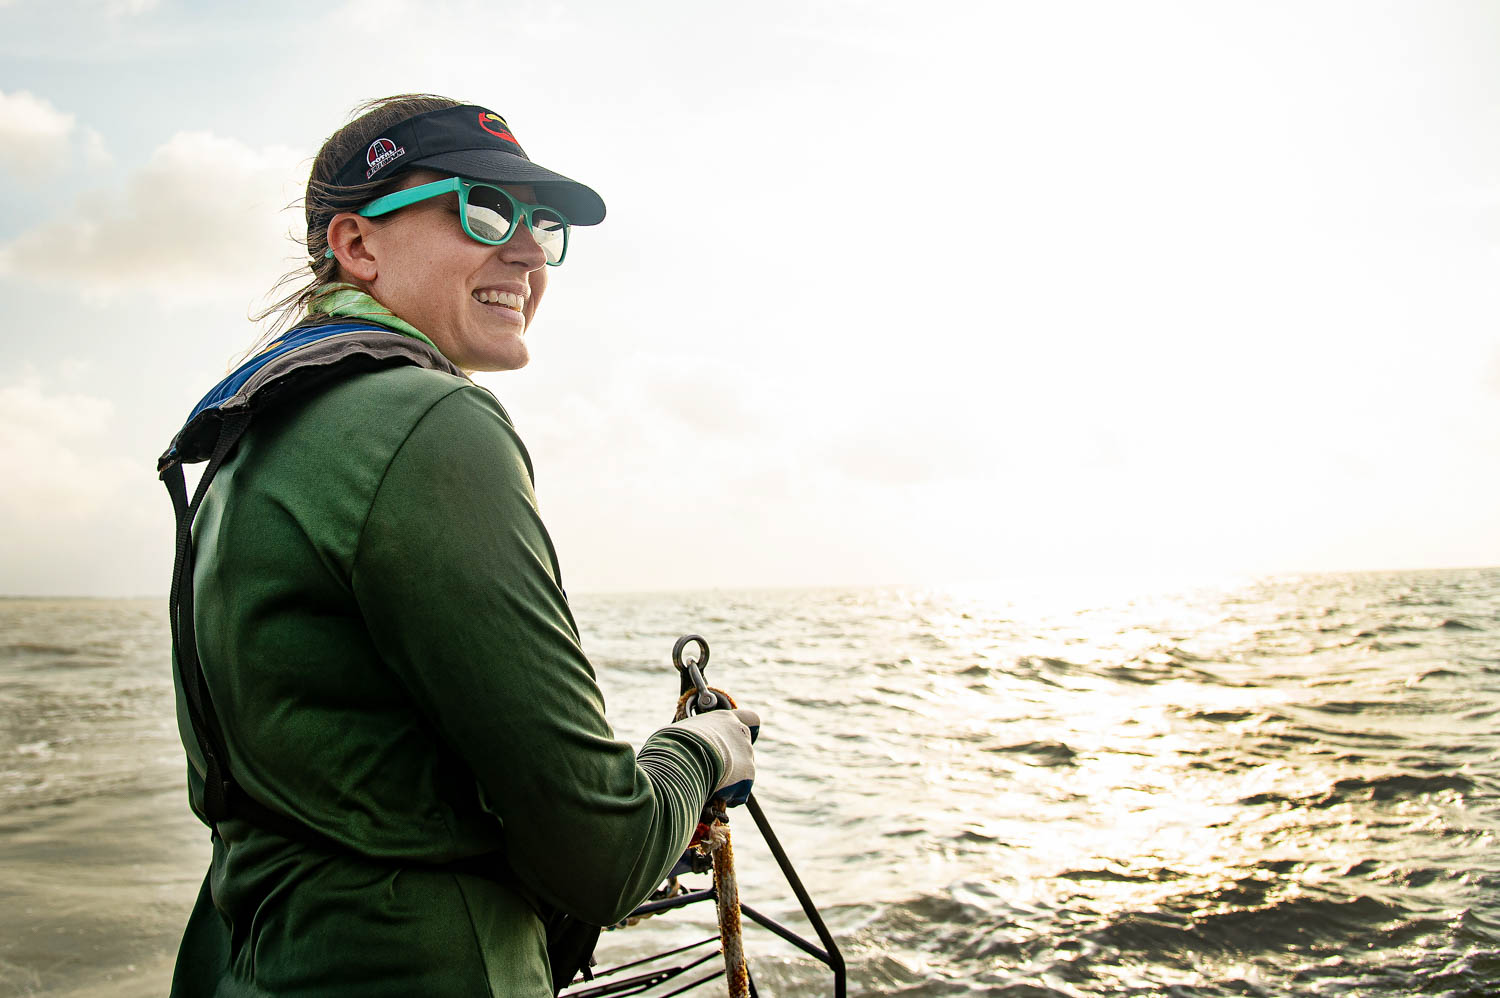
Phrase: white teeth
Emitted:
{"points": [[503, 298]]}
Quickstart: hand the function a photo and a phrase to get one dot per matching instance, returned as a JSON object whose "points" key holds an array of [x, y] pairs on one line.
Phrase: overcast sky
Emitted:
{"points": [[888, 292]]}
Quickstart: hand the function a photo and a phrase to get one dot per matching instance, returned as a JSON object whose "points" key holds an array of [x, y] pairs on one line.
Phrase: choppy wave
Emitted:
{"points": [[1289, 786]]}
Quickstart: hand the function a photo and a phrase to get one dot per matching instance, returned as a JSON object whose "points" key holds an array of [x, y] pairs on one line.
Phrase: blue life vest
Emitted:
{"points": [[303, 357], [307, 357]]}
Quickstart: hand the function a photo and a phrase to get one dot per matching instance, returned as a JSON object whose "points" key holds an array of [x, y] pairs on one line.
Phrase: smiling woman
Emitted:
{"points": [[392, 731], [352, 196]]}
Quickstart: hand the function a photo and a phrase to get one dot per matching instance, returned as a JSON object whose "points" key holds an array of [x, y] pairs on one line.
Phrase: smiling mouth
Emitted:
{"points": [[504, 299]]}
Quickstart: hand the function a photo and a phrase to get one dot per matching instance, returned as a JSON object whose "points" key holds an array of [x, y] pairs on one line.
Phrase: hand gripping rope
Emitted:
{"points": [[711, 845]]}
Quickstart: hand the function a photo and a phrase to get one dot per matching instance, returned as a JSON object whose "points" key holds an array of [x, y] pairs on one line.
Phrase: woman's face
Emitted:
{"points": [[474, 301]]}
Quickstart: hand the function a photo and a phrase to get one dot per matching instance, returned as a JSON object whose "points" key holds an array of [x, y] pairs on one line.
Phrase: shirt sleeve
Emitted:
{"points": [[458, 582]]}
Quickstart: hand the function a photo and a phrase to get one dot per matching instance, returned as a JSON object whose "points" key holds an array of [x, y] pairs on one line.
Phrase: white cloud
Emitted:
{"points": [[95, 153], [76, 516], [201, 220], [37, 139], [33, 134], [40, 458]]}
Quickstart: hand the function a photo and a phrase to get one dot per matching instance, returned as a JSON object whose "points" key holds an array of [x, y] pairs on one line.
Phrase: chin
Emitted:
{"points": [[517, 356], [511, 360]]}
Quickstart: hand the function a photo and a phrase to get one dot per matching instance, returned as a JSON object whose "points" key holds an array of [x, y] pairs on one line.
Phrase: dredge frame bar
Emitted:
{"points": [[828, 955]]}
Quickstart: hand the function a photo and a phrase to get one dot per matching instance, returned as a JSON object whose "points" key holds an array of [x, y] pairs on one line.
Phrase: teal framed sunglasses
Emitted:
{"points": [[488, 214]]}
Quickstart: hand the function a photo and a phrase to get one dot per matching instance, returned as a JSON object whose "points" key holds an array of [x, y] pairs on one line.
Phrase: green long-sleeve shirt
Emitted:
{"points": [[387, 644]]}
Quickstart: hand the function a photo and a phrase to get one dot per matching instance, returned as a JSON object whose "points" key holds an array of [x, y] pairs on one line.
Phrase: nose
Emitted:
{"points": [[522, 248]]}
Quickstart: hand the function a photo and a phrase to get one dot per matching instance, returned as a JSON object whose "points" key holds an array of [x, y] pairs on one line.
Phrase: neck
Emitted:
{"points": [[351, 301]]}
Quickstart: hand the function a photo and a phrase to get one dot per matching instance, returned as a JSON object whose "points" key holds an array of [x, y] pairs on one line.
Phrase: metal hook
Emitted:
{"points": [[692, 672]]}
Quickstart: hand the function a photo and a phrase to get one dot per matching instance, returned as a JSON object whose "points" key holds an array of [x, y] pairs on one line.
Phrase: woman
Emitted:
{"points": [[418, 776]]}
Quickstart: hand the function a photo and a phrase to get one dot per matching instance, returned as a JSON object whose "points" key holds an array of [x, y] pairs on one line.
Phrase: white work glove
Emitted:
{"points": [[731, 733]]}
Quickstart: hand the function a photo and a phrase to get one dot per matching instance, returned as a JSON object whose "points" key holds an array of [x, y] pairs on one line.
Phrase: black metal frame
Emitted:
{"points": [[828, 955]]}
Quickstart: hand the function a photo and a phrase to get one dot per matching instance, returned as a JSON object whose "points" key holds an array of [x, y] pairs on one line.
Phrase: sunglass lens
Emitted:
{"points": [[550, 231], [490, 214]]}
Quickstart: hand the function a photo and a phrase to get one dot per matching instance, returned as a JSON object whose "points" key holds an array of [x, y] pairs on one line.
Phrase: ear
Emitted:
{"points": [[346, 237]]}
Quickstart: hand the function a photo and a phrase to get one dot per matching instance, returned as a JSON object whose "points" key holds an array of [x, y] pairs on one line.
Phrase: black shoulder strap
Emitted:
{"points": [[216, 780]]}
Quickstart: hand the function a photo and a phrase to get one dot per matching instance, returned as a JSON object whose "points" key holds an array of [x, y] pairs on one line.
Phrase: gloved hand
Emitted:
{"points": [[731, 733]]}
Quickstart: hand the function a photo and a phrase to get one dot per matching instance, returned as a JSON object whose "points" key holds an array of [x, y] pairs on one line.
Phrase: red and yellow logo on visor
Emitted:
{"points": [[496, 126]]}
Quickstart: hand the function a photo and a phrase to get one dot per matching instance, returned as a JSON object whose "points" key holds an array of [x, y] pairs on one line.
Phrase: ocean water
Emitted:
{"points": [[1284, 786]]}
